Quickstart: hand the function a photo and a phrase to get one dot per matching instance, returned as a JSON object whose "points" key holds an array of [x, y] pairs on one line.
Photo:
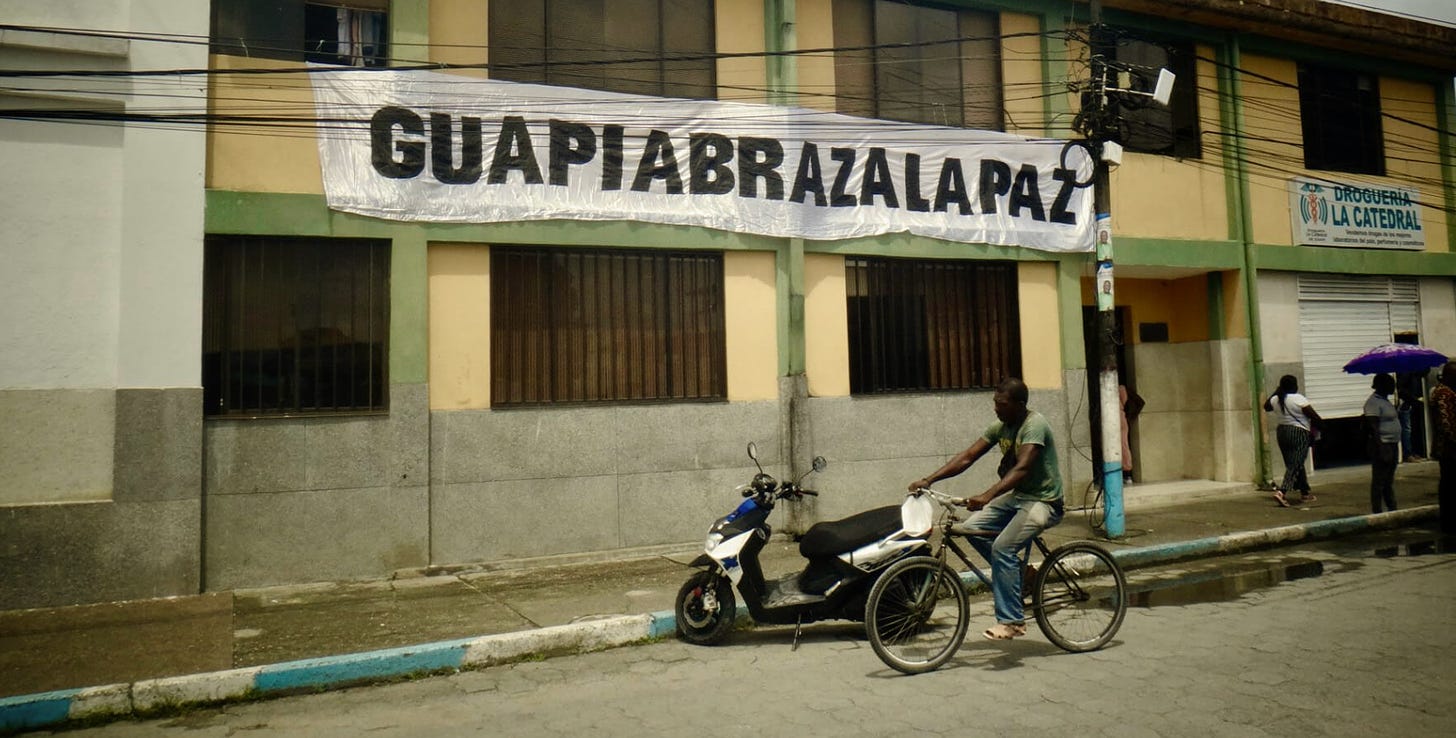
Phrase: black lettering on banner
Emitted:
{"points": [[513, 150], [751, 167], [382, 145], [995, 180], [563, 154], [838, 198], [913, 200], [708, 155], [612, 158], [1060, 214], [877, 182], [810, 177], [952, 187], [658, 147], [442, 150], [1026, 194]]}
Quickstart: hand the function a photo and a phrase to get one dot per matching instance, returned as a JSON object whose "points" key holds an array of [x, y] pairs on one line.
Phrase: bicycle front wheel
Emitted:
{"points": [[1080, 597], [916, 615]]}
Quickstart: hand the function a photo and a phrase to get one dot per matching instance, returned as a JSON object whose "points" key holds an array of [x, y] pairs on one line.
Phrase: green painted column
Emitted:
{"points": [[409, 315], [409, 31], [1445, 118]]}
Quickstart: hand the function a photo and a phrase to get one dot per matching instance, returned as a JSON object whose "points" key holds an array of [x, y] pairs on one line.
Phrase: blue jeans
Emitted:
{"points": [[1015, 522], [1407, 449]]}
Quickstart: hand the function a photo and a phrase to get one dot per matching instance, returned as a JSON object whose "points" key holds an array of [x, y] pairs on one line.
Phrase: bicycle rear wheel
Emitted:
{"points": [[1080, 597], [916, 615]]}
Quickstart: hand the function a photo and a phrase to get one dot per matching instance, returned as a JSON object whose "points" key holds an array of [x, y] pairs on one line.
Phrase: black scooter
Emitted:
{"points": [[844, 559]]}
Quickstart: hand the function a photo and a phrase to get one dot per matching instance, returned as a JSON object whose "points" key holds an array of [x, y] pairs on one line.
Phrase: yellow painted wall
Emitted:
{"points": [[1181, 303], [1021, 74], [1156, 196], [1272, 111], [251, 159], [826, 326], [1041, 338], [1235, 319], [815, 30], [740, 30], [460, 33], [750, 302], [1410, 150], [459, 326]]}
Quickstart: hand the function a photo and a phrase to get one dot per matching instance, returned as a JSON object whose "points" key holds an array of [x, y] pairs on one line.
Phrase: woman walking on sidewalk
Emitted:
{"points": [[1297, 422]]}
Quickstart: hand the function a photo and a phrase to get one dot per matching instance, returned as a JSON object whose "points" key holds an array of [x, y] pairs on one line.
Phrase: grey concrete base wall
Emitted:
{"points": [[56, 445], [313, 499], [876, 445], [143, 538], [535, 482]]}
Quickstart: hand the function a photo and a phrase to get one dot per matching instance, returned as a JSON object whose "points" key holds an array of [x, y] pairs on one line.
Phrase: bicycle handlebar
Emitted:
{"points": [[941, 497]]}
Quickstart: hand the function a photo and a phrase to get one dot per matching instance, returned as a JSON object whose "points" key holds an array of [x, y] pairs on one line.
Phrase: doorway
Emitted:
{"points": [[1092, 338]]}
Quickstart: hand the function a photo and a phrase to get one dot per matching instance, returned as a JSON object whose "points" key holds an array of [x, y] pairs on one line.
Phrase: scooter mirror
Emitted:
{"points": [[753, 451], [820, 463]]}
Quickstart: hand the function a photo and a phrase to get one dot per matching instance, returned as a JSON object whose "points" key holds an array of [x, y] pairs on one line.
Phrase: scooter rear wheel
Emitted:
{"points": [[917, 615], [705, 609]]}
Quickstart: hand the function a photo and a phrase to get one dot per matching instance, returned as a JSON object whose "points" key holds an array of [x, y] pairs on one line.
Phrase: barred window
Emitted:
{"points": [[931, 325], [1339, 114], [1172, 129], [295, 326], [638, 47], [918, 62], [596, 325]]}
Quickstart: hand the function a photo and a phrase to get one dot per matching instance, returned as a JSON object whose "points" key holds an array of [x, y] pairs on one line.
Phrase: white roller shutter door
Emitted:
{"points": [[1340, 317]]}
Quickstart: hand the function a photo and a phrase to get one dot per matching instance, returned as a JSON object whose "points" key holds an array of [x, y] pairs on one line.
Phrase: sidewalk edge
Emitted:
{"points": [[48, 709]]}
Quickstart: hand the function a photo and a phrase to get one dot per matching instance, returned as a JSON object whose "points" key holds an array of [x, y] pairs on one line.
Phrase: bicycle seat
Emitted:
{"points": [[835, 537]]}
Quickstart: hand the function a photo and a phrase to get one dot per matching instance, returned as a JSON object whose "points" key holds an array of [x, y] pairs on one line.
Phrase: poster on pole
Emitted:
{"points": [[428, 146], [1325, 213]]}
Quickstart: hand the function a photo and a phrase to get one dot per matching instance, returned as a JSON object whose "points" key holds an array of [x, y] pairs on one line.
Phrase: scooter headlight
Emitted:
{"points": [[714, 539]]}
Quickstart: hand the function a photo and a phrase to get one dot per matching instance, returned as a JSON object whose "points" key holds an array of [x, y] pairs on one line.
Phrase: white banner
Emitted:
{"points": [[429, 146], [1323, 213]]}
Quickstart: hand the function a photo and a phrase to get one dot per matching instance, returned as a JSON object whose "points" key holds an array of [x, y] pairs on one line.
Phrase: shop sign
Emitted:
{"points": [[1325, 213]]}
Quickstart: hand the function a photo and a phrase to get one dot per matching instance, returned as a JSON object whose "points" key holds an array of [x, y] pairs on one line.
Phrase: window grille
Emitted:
{"points": [[1339, 113], [919, 325], [594, 325], [295, 326]]}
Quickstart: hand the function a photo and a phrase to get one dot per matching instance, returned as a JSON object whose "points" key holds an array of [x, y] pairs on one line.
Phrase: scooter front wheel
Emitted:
{"points": [[917, 615], [705, 609]]}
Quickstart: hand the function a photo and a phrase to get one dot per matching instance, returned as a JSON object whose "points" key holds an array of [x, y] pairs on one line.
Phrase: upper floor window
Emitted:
{"points": [[931, 325], [638, 47], [918, 62], [1339, 112], [349, 32], [1150, 128], [600, 325], [294, 325]]}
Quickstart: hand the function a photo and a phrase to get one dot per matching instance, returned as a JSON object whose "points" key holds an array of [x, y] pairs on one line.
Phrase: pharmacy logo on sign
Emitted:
{"points": [[1313, 207]]}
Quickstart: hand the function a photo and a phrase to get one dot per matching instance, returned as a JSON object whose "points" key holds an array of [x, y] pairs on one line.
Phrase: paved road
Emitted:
{"points": [[1366, 648]]}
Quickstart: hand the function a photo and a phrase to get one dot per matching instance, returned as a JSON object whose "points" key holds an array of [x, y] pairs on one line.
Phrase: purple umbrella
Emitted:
{"points": [[1394, 358]]}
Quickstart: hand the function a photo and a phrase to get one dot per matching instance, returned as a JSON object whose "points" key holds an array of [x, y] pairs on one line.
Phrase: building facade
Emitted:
{"points": [[341, 383]]}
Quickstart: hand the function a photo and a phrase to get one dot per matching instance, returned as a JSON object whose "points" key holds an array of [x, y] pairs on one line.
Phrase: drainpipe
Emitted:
{"points": [[1249, 262]]}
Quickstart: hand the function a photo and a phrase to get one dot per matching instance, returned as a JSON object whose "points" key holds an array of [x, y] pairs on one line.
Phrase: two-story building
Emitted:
{"points": [[478, 281]]}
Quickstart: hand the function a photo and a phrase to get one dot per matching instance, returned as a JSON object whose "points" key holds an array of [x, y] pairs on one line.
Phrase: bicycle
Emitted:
{"points": [[917, 613]]}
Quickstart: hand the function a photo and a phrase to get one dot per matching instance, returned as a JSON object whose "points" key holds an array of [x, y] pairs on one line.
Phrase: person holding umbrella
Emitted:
{"points": [[1297, 421], [1382, 440]]}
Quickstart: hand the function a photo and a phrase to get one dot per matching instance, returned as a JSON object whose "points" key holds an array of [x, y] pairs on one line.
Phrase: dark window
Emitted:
{"points": [[639, 47], [1339, 111], [295, 325], [931, 325], [1148, 127], [593, 325], [902, 61], [352, 33]]}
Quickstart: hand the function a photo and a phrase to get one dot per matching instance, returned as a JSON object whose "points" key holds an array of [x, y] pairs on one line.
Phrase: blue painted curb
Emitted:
{"points": [[46, 709]]}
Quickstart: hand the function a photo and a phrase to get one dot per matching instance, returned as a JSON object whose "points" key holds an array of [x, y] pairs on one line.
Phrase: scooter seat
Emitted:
{"points": [[835, 537]]}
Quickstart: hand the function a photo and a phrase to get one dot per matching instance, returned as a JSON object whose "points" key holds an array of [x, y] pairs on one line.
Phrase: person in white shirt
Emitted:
{"points": [[1297, 423], [1381, 422]]}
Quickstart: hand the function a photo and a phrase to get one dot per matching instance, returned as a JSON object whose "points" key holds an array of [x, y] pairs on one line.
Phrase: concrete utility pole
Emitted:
{"points": [[1097, 127]]}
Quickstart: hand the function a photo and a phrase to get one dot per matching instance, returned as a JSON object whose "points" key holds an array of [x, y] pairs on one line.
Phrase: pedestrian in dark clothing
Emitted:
{"points": [[1443, 410], [1409, 393], [1382, 440]]}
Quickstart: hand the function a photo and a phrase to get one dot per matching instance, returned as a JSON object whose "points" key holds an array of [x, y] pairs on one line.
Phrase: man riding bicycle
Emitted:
{"points": [[1029, 471]]}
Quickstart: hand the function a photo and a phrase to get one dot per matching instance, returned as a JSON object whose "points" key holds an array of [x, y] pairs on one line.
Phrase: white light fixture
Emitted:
{"points": [[1163, 91]]}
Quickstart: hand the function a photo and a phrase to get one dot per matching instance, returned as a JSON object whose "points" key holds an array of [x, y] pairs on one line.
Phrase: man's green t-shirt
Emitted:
{"points": [[1044, 481]]}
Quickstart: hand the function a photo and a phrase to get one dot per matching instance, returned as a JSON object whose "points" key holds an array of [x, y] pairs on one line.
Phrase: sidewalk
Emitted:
{"points": [[157, 654]]}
